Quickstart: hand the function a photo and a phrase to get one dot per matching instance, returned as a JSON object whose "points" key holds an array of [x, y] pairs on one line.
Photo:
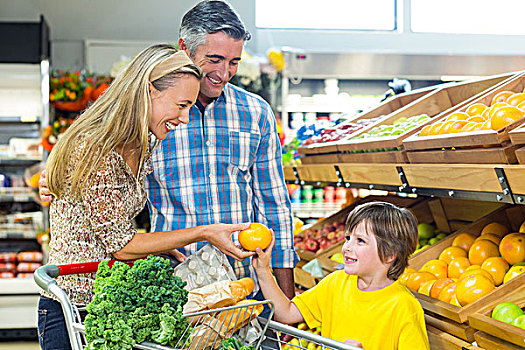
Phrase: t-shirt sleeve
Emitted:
{"points": [[413, 334], [312, 302], [105, 207]]}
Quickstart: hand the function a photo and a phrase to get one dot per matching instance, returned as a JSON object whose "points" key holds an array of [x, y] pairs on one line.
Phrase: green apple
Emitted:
{"points": [[519, 322], [433, 240], [506, 312], [425, 231], [441, 235]]}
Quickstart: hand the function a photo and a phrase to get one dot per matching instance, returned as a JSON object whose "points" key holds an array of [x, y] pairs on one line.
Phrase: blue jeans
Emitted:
{"points": [[52, 331]]}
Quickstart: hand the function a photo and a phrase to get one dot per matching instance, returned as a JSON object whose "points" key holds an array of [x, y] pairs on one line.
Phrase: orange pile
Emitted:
{"points": [[471, 267], [505, 108]]}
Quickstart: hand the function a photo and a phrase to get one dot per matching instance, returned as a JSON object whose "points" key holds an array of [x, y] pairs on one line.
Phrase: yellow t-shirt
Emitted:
{"points": [[389, 318]]}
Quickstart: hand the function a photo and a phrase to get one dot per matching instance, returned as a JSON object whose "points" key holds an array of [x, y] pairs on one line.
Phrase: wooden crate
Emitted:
{"points": [[520, 155], [397, 157], [475, 138], [486, 155], [510, 215], [483, 321], [490, 342], [436, 104], [460, 330], [329, 158], [384, 108], [446, 214], [341, 215], [443, 341]]}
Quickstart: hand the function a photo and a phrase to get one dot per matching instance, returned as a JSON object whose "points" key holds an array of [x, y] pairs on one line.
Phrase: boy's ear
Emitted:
{"points": [[390, 259]]}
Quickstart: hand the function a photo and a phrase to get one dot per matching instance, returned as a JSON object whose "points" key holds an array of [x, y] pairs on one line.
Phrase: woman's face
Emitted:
{"points": [[171, 106]]}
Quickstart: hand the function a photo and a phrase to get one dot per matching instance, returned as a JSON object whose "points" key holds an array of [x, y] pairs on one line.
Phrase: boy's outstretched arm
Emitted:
{"points": [[285, 310]]}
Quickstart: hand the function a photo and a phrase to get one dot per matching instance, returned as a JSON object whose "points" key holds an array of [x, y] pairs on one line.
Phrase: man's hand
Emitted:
{"points": [[45, 194], [220, 235]]}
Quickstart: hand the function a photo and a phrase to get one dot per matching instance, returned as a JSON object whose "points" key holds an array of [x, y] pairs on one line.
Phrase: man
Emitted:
{"points": [[225, 165]]}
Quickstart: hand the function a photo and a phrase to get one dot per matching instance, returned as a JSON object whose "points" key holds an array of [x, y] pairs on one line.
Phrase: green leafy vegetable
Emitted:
{"points": [[135, 304], [234, 344]]}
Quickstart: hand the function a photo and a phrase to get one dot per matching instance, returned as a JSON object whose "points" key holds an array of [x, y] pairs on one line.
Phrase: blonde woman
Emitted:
{"points": [[96, 173]]}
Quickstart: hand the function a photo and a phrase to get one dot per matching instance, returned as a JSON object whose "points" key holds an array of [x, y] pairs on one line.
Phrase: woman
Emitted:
{"points": [[96, 174]]}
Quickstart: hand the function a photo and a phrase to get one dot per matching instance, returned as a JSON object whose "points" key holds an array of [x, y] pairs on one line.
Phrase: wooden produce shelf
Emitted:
{"points": [[507, 333], [443, 341], [510, 216], [384, 108], [436, 104], [475, 143], [490, 342]]}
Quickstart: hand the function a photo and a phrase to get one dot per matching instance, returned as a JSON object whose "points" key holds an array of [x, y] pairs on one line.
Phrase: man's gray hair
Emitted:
{"points": [[208, 17]]}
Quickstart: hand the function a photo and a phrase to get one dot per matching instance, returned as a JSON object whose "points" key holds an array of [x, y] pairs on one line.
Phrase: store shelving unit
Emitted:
{"points": [[24, 111]]}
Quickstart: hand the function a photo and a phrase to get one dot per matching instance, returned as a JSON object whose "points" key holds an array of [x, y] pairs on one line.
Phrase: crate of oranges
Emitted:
{"points": [[478, 132], [501, 324], [383, 141], [473, 267]]}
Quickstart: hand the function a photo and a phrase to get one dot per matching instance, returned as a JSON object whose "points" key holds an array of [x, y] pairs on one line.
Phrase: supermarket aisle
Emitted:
{"points": [[20, 346]]}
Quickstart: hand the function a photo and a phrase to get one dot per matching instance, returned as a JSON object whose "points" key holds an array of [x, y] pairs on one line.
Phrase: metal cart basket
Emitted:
{"points": [[206, 329]]}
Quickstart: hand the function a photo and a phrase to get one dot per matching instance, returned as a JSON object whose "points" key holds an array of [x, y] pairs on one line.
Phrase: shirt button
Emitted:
{"points": [[211, 176], [215, 208], [208, 143]]}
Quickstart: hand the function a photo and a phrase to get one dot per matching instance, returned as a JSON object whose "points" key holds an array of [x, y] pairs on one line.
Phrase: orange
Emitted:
{"points": [[438, 286], [474, 272], [434, 128], [403, 278], [33, 181], [445, 127], [486, 125], [464, 240], [505, 116], [476, 118], [448, 292], [424, 131], [495, 227], [481, 250], [454, 300], [255, 236], [451, 253], [522, 227], [457, 126], [516, 99], [497, 267], [458, 116], [473, 267], [475, 109], [513, 272], [501, 97], [457, 266], [472, 288], [491, 237], [436, 267], [468, 127], [521, 106], [494, 108], [416, 279], [512, 248], [425, 287]]}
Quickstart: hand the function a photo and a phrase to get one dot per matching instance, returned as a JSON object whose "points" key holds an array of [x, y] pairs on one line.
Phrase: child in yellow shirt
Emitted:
{"points": [[364, 305]]}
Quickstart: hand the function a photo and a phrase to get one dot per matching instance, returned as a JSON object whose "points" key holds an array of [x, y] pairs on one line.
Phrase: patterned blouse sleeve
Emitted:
{"points": [[106, 207]]}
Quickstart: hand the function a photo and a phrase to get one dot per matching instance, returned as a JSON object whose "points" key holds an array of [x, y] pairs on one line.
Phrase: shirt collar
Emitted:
{"points": [[222, 98]]}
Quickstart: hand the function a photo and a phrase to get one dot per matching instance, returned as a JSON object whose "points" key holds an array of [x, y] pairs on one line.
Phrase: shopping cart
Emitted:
{"points": [[206, 329], [284, 337]]}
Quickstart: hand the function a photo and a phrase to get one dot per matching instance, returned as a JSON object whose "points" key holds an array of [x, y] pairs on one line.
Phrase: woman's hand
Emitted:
{"points": [[262, 259], [45, 194], [220, 235], [177, 255]]}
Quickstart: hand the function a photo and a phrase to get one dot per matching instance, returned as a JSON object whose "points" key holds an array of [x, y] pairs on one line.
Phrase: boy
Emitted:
{"points": [[364, 305]]}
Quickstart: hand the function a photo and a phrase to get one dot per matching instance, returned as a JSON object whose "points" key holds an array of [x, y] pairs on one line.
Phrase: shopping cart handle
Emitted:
{"points": [[45, 276]]}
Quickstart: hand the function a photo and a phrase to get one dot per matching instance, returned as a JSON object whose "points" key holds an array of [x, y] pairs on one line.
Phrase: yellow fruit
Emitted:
{"points": [[472, 288], [464, 240], [481, 250], [473, 267], [497, 267], [454, 300], [495, 227], [438, 286], [513, 272], [416, 279], [457, 266], [451, 253], [491, 237], [448, 292], [436, 267], [512, 248], [426, 287], [475, 272]]}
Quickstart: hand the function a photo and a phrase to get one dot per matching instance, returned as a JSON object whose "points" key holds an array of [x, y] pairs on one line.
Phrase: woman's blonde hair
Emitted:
{"points": [[119, 118]]}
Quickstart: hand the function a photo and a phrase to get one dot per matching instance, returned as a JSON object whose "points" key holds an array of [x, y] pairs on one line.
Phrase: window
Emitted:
{"points": [[326, 14], [504, 17]]}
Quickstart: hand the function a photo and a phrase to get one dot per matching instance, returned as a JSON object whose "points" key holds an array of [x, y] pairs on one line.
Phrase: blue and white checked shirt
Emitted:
{"points": [[224, 167]]}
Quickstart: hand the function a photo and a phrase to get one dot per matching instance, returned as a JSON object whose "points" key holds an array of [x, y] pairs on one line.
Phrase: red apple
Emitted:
{"points": [[311, 244]]}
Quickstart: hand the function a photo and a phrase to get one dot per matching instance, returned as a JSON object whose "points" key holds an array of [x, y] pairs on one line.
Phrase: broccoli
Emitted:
{"points": [[135, 304], [234, 344]]}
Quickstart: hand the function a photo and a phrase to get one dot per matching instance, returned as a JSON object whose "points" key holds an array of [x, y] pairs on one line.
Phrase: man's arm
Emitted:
{"points": [[285, 279]]}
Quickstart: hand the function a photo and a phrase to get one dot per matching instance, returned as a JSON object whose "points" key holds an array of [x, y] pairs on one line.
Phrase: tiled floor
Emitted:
{"points": [[19, 346]]}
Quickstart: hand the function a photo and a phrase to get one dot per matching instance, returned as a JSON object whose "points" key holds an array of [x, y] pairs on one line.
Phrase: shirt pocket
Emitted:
{"points": [[243, 146]]}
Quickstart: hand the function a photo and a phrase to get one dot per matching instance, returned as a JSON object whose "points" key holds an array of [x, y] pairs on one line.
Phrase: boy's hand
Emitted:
{"points": [[261, 260], [353, 343]]}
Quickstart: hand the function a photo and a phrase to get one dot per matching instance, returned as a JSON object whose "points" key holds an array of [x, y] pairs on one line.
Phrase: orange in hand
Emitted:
{"points": [[255, 236]]}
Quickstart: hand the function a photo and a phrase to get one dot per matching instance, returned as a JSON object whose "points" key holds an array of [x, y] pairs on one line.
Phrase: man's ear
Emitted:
{"points": [[183, 46]]}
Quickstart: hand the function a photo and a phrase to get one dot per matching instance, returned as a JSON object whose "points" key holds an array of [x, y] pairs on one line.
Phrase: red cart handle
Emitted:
{"points": [[87, 267]]}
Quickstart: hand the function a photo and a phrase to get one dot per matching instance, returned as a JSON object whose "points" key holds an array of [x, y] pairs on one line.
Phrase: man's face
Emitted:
{"points": [[219, 58]]}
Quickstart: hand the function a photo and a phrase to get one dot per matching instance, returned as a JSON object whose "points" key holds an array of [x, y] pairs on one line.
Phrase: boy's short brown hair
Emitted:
{"points": [[395, 230]]}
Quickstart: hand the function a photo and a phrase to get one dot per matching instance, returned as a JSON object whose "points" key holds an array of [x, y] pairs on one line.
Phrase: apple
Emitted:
{"points": [[331, 235], [519, 322], [311, 244], [324, 243], [506, 312], [425, 231]]}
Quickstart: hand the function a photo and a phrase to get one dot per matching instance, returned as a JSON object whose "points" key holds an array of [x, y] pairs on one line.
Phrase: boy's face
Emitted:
{"points": [[361, 254]]}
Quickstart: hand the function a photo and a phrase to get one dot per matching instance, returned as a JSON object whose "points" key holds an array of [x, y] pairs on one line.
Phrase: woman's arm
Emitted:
{"points": [[219, 235], [285, 310]]}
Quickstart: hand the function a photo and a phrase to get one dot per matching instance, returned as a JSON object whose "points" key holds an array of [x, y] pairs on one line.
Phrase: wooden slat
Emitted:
{"points": [[374, 157], [288, 173], [444, 341], [516, 178], [494, 155], [317, 172], [520, 155], [438, 213], [489, 342], [517, 136], [460, 330], [478, 177], [383, 174], [321, 159]]}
